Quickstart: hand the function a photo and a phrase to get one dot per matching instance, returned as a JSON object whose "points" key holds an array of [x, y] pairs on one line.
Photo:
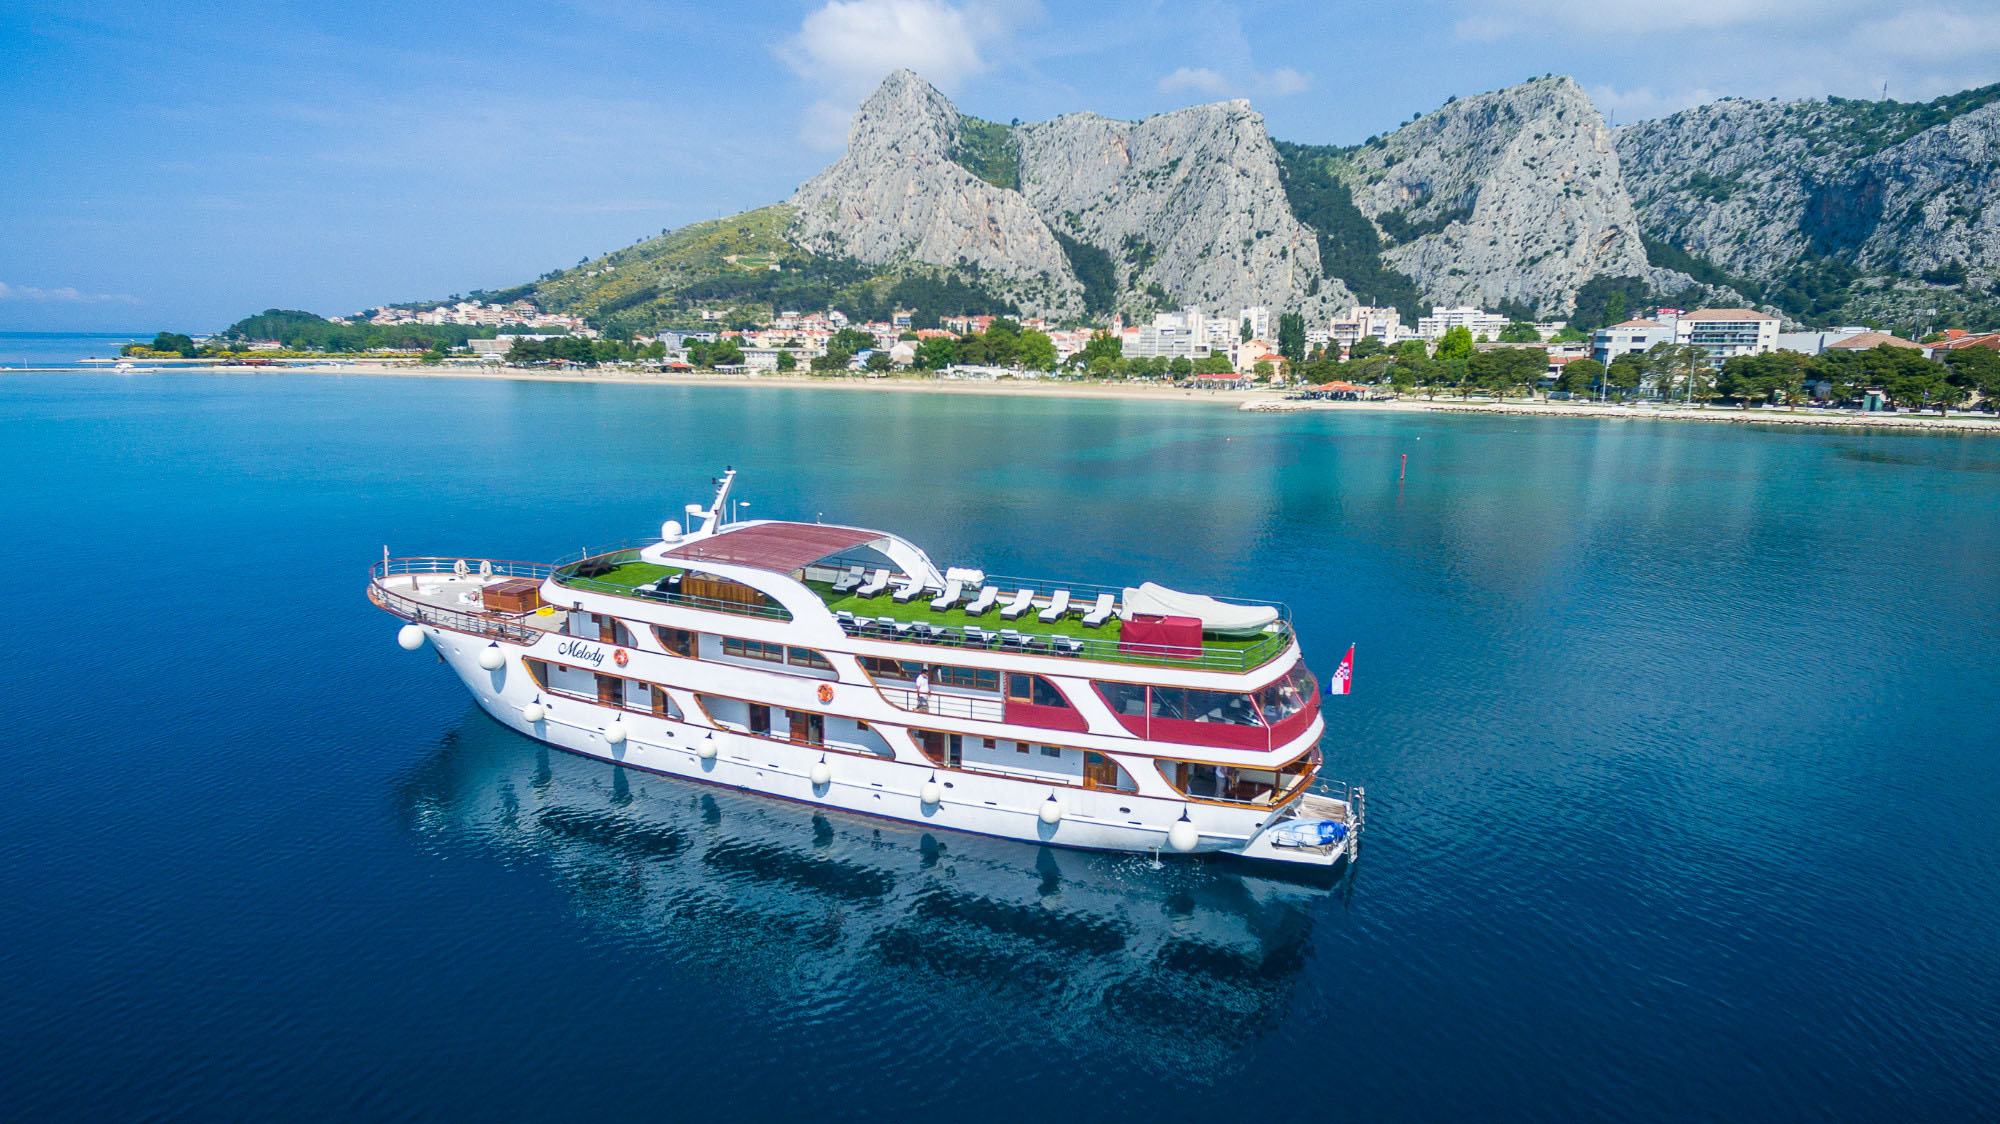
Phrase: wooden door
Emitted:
{"points": [[1099, 771]]}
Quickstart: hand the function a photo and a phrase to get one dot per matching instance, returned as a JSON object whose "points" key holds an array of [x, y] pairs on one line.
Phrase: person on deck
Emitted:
{"points": [[924, 689]]}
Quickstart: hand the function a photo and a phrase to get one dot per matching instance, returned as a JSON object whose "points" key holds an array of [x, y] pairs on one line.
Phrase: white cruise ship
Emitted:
{"points": [[841, 667]]}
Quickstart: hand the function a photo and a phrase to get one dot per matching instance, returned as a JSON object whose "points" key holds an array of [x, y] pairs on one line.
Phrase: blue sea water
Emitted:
{"points": [[1679, 739], [60, 349]]}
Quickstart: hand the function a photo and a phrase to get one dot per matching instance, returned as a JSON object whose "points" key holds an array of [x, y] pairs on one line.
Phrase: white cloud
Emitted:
{"points": [[1285, 80], [1200, 79], [64, 295], [846, 47], [1212, 82]]}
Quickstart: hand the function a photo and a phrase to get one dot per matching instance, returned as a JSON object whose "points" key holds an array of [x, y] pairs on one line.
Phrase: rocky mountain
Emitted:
{"points": [[1508, 198], [1827, 208], [1519, 200], [1182, 208], [897, 195]]}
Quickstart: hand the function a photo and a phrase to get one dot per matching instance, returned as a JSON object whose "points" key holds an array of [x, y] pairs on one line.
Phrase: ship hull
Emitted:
{"points": [[980, 804]]}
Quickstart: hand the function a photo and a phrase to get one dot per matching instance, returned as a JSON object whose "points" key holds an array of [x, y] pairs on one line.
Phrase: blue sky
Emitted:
{"points": [[182, 165]]}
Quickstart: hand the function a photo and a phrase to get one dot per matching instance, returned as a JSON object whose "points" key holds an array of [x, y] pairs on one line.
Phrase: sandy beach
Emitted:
{"points": [[1258, 401]]}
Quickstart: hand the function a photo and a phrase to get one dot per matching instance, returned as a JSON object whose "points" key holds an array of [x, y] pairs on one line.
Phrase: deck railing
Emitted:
{"points": [[617, 555], [479, 624], [947, 705]]}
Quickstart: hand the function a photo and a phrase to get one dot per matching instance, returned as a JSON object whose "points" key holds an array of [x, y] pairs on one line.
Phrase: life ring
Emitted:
{"points": [[620, 658], [826, 692]]}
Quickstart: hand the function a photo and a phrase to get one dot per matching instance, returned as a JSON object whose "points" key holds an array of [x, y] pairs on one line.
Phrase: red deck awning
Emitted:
{"points": [[778, 547]]}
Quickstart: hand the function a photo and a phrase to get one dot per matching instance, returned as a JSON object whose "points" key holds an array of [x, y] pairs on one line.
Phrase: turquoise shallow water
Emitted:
{"points": [[1679, 741]]}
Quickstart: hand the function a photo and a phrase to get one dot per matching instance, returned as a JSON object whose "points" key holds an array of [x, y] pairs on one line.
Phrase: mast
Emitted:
{"points": [[712, 518]]}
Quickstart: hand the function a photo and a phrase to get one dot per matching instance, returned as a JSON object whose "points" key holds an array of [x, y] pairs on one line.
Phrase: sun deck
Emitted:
{"points": [[623, 572]]}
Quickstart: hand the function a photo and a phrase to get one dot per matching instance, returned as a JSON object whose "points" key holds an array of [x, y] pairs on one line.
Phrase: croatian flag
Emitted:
{"points": [[1343, 676]]}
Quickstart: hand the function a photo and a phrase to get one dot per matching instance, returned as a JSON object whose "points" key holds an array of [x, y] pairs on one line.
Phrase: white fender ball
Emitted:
{"points": [[1183, 836], [615, 733], [1051, 811], [534, 712], [706, 752], [822, 774], [492, 658], [931, 793], [410, 637]]}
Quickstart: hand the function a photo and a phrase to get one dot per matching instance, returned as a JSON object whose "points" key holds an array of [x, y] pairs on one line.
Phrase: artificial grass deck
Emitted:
{"points": [[629, 575]]}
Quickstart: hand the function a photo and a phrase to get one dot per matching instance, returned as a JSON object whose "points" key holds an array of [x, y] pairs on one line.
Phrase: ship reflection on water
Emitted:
{"points": [[1191, 958]]}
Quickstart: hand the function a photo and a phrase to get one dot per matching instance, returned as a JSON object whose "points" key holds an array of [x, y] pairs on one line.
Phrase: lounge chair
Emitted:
{"points": [[846, 622], [852, 579], [983, 602], [891, 624], [949, 597], [1100, 612], [1022, 602], [1009, 638], [979, 637], [876, 584], [909, 589], [1058, 606], [1067, 646]]}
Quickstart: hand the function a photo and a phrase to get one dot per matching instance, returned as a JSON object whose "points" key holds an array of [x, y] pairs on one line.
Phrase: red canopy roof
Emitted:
{"points": [[779, 547]]}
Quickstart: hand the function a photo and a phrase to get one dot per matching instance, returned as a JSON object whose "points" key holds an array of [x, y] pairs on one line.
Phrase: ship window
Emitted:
{"points": [[970, 678], [806, 657], [1035, 690], [1051, 751], [1287, 696], [679, 641], [890, 669], [1205, 781], [1223, 707], [760, 720], [753, 649], [1124, 698]]}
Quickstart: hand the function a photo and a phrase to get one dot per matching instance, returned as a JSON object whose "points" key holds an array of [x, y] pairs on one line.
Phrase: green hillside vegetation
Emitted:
{"points": [[1350, 248], [1095, 269], [1863, 128], [304, 331], [746, 267], [987, 149]]}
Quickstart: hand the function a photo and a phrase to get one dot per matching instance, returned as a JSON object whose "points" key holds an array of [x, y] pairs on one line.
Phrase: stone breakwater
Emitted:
{"points": [[1844, 419]]}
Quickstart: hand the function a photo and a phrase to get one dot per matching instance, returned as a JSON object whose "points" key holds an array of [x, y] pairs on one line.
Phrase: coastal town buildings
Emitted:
{"points": [[1478, 321], [1625, 338], [1727, 332]]}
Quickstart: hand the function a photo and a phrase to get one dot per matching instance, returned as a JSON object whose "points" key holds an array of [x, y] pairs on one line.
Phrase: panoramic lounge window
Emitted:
{"points": [[1287, 696], [1124, 698], [1223, 707], [1035, 690]]}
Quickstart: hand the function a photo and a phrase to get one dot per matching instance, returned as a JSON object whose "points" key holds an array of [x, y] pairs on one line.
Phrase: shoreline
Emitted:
{"points": [[1249, 401], [1823, 419]]}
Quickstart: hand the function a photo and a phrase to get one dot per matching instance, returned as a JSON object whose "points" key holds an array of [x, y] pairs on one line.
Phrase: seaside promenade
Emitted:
{"points": [[1256, 401]]}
